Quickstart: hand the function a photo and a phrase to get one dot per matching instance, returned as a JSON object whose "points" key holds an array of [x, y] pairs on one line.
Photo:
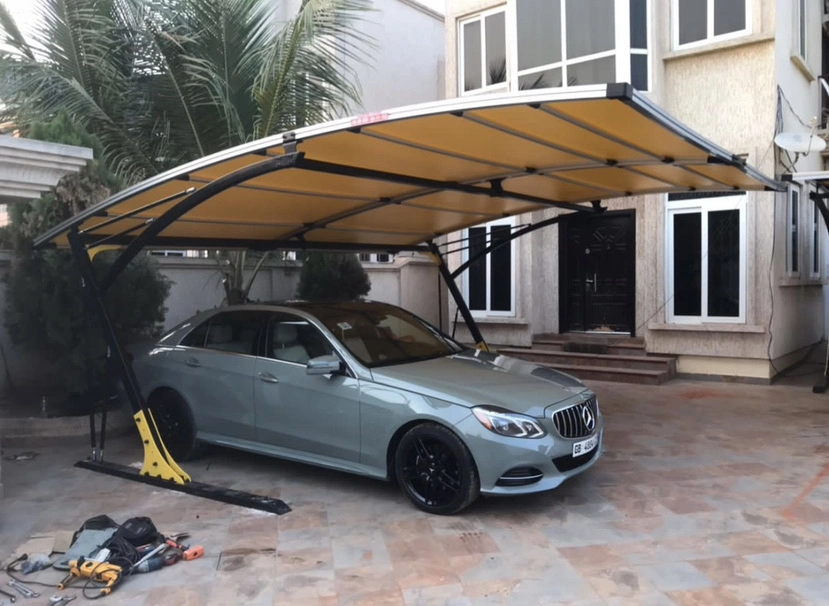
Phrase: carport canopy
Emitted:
{"points": [[398, 179], [395, 181]]}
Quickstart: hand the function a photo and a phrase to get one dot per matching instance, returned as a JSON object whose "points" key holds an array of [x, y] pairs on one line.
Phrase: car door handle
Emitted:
{"points": [[268, 377], [192, 362]]}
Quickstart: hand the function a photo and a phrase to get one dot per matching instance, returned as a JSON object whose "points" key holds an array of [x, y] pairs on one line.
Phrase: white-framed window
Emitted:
{"points": [[489, 283], [706, 259], [640, 70], [698, 22], [793, 231], [376, 257], [482, 61], [555, 43], [800, 31], [814, 243]]}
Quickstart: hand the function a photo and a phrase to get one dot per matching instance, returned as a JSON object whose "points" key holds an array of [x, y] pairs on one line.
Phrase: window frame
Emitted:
{"points": [[815, 252], [488, 313], [793, 225], [800, 55], [704, 206], [481, 18], [646, 52], [375, 258], [622, 51], [710, 37]]}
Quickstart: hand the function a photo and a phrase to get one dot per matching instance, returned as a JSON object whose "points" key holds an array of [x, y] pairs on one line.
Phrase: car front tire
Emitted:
{"points": [[435, 470], [175, 423]]}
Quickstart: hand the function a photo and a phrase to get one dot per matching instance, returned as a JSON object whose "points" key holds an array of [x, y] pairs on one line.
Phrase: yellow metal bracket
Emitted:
{"points": [[157, 460], [99, 249]]}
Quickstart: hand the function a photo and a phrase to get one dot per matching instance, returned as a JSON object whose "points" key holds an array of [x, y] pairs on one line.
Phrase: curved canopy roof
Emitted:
{"points": [[400, 178]]}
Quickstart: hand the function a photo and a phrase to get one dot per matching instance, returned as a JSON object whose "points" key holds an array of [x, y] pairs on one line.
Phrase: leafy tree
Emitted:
{"points": [[44, 308], [332, 277]]}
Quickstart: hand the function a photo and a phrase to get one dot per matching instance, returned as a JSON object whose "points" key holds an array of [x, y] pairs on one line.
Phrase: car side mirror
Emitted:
{"points": [[324, 365]]}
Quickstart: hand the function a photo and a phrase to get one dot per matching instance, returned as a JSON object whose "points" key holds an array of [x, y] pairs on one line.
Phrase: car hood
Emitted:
{"points": [[473, 378]]}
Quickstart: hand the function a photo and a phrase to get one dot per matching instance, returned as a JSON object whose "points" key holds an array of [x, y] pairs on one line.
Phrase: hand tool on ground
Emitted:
{"points": [[8, 594], [23, 590], [187, 552], [137, 567], [102, 573], [60, 600]]}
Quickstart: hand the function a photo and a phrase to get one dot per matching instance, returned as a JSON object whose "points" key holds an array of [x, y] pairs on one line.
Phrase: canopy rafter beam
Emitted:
{"points": [[192, 201], [137, 211], [378, 175]]}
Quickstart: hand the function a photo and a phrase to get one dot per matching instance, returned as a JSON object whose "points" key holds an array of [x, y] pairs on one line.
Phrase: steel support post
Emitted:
{"points": [[474, 330], [157, 461], [818, 199]]}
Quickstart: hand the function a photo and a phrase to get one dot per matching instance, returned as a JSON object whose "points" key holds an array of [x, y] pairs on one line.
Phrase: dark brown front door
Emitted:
{"points": [[597, 273]]}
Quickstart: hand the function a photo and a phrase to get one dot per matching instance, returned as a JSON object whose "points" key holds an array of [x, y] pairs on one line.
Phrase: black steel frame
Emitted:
{"points": [[94, 290]]}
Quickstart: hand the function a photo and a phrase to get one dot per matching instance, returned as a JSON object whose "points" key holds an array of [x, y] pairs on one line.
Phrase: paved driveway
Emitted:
{"points": [[711, 494]]}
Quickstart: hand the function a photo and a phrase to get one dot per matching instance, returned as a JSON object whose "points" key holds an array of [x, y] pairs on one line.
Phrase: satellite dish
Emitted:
{"points": [[800, 143]]}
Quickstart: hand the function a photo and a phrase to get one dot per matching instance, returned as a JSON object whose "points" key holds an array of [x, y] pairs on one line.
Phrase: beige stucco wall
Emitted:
{"points": [[727, 92]]}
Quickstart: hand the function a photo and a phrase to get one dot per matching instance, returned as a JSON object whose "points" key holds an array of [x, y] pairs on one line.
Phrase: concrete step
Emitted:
{"points": [[609, 345], [645, 369], [588, 359]]}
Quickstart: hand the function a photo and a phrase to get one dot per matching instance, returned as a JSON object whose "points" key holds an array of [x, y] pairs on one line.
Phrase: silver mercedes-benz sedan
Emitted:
{"points": [[369, 388]]}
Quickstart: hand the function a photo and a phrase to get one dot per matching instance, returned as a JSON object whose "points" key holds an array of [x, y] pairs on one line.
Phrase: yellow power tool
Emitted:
{"points": [[104, 574]]}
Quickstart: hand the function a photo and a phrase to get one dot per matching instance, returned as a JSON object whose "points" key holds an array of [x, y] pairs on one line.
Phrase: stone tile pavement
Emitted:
{"points": [[708, 494]]}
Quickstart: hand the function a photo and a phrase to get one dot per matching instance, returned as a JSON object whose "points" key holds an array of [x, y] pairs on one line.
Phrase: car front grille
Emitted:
{"points": [[570, 422]]}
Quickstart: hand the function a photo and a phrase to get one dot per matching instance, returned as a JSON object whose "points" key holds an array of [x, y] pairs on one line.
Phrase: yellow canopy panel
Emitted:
{"points": [[400, 178]]}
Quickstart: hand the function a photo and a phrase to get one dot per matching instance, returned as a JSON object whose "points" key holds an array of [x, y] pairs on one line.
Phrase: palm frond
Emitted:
{"points": [[307, 72], [11, 34]]}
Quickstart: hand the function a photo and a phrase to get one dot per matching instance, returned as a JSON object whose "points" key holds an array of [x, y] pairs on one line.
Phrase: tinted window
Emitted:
{"points": [[294, 339], [197, 336], [232, 331], [381, 335]]}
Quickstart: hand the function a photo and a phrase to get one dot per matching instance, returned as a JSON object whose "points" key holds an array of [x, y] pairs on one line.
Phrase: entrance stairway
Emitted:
{"points": [[597, 357]]}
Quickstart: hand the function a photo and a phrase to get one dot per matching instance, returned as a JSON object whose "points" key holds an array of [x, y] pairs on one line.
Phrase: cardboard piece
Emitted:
{"points": [[63, 541], [36, 545]]}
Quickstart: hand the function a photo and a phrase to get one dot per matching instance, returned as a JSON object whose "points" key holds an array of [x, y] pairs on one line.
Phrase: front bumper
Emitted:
{"points": [[551, 456]]}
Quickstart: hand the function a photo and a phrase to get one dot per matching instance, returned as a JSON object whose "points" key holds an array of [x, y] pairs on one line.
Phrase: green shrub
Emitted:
{"points": [[333, 277], [45, 309]]}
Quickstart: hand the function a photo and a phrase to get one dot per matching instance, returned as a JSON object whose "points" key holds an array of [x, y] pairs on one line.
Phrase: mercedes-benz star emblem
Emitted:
{"points": [[588, 418]]}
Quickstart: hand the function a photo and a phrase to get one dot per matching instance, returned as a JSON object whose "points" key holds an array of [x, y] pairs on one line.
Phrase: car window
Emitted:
{"points": [[197, 336], [232, 331], [294, 339], [381, 335]]}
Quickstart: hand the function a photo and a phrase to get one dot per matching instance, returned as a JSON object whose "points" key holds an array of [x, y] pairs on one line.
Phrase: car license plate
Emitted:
{"points": [[585, 446]]}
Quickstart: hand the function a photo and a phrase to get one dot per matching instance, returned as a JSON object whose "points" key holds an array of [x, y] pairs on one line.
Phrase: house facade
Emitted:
{"points": [[732, 283]]}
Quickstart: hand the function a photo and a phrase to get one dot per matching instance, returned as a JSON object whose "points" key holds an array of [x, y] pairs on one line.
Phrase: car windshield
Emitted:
{"points": [[383, 335]]}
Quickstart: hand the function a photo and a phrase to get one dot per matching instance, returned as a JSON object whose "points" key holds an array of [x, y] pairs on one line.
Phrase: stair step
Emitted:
{"points": [[657, 363], [616, 375], [622, 347]]}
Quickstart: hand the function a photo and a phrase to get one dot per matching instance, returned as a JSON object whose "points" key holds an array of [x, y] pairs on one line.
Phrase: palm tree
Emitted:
{"points": [[163, 82]]}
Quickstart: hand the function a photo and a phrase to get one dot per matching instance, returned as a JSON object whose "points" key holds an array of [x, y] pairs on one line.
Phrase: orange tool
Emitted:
{"points": [[187, 552]]}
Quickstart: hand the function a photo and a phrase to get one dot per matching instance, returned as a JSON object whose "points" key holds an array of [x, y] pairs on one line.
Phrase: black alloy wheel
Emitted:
{"points": [[435, 470], [175, 423]]}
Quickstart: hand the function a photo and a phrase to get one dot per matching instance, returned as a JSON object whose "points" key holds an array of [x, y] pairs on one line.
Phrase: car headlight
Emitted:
{"points": [[508, 423]]}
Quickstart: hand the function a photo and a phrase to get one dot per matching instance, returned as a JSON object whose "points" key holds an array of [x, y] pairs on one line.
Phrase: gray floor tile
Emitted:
{"points": [[815, 589], [675, 576]]}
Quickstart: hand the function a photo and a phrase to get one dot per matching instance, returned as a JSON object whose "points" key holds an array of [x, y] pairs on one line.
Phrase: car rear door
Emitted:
{"points": [[214, 368], [315, 414]]}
